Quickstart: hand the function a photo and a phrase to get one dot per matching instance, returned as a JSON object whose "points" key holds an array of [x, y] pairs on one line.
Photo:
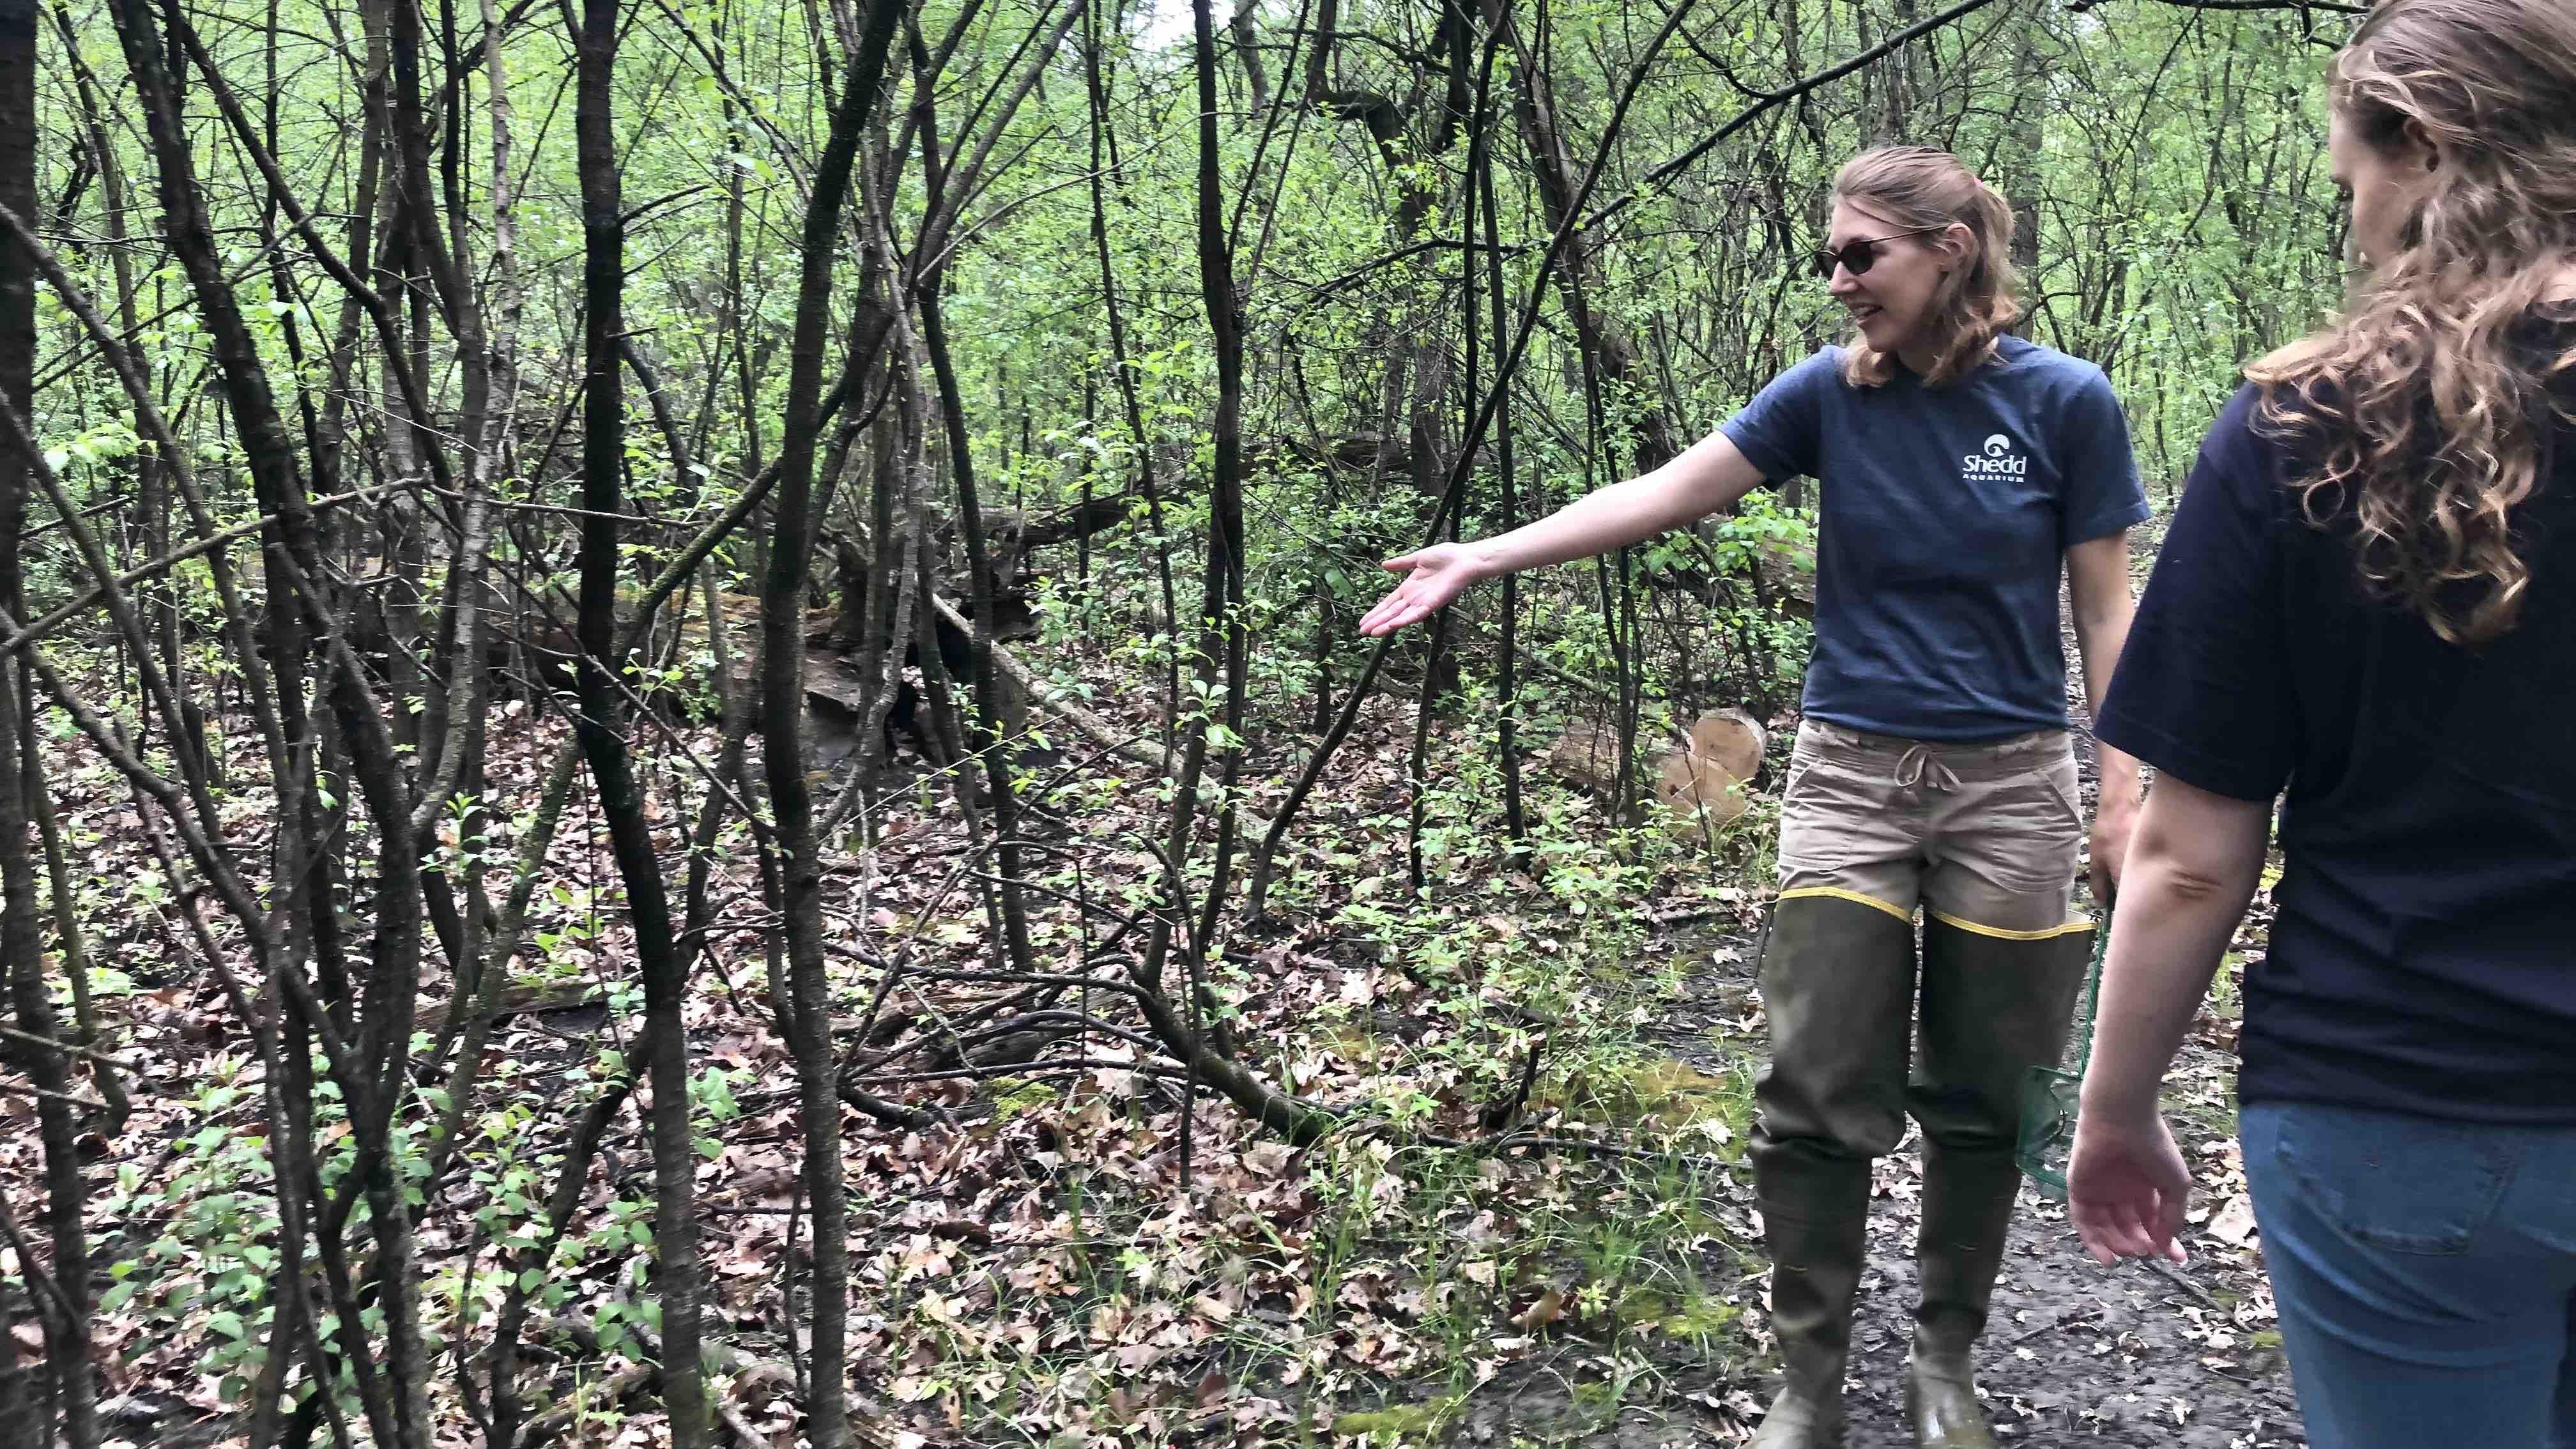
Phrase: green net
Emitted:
{"points": [[2049, 1094]]}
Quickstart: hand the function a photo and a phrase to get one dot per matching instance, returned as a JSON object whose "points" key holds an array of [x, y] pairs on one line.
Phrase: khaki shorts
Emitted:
{"points": [[1986, 836]]}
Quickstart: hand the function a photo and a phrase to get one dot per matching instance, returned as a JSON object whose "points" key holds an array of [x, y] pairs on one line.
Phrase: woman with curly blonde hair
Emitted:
{"points": [[2369, 596], [1964, 472]]}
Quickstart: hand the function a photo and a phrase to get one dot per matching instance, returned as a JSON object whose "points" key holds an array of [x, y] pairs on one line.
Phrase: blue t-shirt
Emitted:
{"points": [[1944, 519], [2423, 950]]}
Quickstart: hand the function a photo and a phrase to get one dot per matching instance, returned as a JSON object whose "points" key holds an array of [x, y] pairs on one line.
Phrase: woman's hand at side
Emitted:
{"points": [[2192, 867], [2126, 1188]]}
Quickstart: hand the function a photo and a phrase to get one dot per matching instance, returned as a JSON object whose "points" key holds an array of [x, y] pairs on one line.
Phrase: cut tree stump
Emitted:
{"points": [[1705, 782], [1585, 755]]}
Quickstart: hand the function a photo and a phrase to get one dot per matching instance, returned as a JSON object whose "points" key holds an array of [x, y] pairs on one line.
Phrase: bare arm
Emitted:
{"points": [[1703, 478], [2097, 583], [2194, 866], [1707, 476], [2197, 860]]}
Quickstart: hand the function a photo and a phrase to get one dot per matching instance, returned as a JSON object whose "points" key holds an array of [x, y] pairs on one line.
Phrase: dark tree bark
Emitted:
{"points": [[1489, 211], [1104, 141], [1221, 644], [782, 711], [17, 270], [603, 718], [1607, 347], [67, 1328], [21, 947], [984, 735], [371, 1071]]}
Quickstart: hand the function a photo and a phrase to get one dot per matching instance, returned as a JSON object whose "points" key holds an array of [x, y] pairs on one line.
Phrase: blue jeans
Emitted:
{"points": [[2425, 1272]]}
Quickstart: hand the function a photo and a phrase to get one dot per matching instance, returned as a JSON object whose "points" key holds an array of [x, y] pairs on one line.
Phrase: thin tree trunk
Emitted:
{"points": [[21, 945], [603, 718], [1096, 85], [782, 713], [1506, 685], [1604, 341], [1265, 858], [74, 949], [984, 736], [1221, 643], [1247, 47]]}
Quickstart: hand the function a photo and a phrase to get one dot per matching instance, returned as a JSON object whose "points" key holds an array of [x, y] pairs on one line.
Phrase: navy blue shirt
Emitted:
{"points": [[2423, 954], [1944, 517]]}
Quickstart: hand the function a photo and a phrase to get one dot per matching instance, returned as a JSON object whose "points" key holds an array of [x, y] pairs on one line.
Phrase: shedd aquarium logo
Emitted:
{"points": [[1998, 460]]}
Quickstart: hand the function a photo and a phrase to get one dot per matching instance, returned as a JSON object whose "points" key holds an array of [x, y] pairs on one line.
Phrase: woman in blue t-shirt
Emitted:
{"points": [[2369, 596], [1962, 471]]}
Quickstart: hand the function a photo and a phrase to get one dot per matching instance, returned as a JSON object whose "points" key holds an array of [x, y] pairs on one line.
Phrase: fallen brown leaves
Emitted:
{"points": [[1031, 1256]]}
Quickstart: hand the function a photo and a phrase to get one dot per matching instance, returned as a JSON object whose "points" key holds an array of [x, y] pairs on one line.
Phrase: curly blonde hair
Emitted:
{"points": [[1918, 186], [2425, 408]]}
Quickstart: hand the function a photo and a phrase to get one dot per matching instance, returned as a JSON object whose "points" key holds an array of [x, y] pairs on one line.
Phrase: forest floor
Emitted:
{"points": [[2141, 1355], [1066, 1258]]}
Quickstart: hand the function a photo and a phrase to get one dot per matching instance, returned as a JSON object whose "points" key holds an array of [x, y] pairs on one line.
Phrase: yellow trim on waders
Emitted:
{"points": [[1838, 893], [2000, 934]]}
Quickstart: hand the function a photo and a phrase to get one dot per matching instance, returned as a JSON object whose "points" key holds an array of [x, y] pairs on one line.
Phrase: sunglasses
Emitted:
{"points": [[1857, 257]]}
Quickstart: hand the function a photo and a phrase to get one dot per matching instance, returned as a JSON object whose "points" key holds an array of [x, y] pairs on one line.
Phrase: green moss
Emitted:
{"points": [[1696, 1316], [1701, 1317], [1674, 1095], [1015, 1095], [1596, 1396], [1351, 1041], [1402, 1421], [1640, 1308]]}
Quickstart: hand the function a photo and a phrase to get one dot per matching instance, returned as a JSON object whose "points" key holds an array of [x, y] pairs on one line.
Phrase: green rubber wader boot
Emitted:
{"points": [[1994, 1006], [1838, 987], [1815, 1269]]}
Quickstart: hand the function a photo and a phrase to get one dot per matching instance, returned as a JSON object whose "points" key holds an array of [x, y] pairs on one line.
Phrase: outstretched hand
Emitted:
{"points": [[1433, 577], [2126, 1189]]}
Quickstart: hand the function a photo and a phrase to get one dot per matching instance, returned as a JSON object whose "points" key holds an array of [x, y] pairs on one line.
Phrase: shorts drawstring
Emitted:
{"points": [[1920, 769]]}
